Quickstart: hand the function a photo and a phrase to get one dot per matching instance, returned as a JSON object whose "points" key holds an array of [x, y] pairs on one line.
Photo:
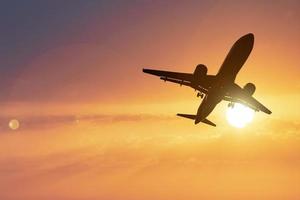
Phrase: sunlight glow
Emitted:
{"points": [[239, 115]]}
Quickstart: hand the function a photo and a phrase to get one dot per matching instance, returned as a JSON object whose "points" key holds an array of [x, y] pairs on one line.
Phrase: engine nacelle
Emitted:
{"points": [[200, 72], [249, 88]]}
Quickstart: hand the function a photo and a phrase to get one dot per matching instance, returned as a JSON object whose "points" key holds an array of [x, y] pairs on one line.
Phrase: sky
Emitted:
{"points": [[93, 126]]}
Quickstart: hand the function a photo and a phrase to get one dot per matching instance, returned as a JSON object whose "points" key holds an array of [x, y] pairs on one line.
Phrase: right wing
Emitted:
{"points": [[186, 79], [238, 95]]}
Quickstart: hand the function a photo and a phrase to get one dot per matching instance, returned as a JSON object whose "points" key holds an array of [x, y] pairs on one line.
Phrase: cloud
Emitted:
{"points": [[169, 160]]}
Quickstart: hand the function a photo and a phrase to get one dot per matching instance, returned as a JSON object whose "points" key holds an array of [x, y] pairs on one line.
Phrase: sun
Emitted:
{"points": [[239, 115]]}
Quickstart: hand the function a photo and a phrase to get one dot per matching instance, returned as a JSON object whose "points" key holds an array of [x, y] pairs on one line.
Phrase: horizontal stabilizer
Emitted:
{"points": [[193, 117]]}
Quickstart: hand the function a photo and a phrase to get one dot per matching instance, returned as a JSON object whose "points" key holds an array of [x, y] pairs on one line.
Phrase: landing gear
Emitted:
{"points": [[200, 95]]}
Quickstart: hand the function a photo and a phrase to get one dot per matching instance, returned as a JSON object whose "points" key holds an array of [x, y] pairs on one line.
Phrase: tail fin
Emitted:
{"points": [[193, 117]]}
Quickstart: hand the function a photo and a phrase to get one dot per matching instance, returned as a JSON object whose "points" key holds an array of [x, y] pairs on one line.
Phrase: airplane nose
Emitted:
{"points": [[248, 37]]}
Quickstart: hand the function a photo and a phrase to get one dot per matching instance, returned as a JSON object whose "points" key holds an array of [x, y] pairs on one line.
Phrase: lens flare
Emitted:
{"points": [[239, 115], [14, 124]]}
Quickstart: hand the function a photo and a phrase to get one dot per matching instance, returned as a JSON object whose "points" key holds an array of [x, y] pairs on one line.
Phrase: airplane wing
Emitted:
{"points": [[238, 95], [186, 79]]}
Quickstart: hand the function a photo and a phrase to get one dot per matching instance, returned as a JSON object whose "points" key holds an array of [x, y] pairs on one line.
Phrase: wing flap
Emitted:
{"points": [[186, 83]]}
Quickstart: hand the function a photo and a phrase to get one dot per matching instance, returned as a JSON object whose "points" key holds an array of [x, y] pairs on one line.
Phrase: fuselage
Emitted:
{"points": [[225, 78], [212, 98]]}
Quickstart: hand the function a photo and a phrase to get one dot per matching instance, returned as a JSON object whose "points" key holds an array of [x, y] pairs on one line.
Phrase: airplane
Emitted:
{"points": [[215, 88]]}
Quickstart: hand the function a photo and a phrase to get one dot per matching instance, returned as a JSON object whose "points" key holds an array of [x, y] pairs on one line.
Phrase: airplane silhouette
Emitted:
{"points": [[214, 88]]}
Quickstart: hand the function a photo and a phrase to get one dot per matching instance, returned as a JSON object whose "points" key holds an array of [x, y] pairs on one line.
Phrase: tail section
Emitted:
{"points": [[193, 117]]}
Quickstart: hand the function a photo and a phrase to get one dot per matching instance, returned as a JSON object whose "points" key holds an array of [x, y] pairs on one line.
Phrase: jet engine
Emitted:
{"points": [[200, 72], [249, 88]]}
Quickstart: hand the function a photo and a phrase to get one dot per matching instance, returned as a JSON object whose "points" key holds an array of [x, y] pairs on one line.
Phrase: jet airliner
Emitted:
{"points": [[215, 88]]}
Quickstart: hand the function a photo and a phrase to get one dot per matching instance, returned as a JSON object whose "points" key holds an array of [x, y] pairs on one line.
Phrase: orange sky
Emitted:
{"points": [[93, 126]]}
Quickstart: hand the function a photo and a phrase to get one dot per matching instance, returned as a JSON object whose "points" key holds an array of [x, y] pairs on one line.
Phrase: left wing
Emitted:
{"points": [[238, 95], [186, 79]]}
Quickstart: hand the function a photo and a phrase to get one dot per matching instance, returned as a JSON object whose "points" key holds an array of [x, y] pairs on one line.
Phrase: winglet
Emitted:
{"points": [[193, 117], [149, 71]]}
